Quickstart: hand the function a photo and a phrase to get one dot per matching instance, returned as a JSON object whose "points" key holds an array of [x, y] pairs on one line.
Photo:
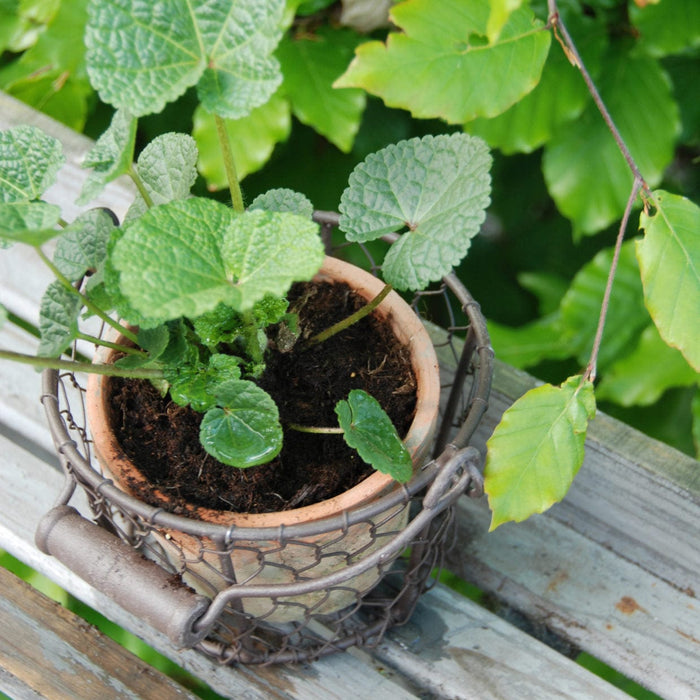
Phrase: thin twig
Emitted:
{"points": [[564, 38], [590, 373]]}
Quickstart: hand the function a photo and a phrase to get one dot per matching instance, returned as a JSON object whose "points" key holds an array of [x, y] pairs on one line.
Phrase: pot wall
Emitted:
{"points": [[209, 567]]}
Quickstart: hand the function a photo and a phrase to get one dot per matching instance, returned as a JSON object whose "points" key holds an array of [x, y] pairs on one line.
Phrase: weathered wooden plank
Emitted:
{"points": [[47, 650]]}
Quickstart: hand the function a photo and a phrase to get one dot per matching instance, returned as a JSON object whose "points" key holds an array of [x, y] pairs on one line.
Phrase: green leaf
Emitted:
{"points": [[140, 58], [695, 407], [51, 76], [671, 26], [196, 385], [310, 64], [29, 222], [245, 430], [500, 12], [283, 199], [369, 430], [29, 163], [528, 345], [559, 97], [669, 260], [640, 378], [437, 186], [252, 138], [111, 156], [167, 167], [58, 320], [580, 307], [83, 247], [537, 449], [593, 191], [265, 252], [169, 260], [436, 66]]}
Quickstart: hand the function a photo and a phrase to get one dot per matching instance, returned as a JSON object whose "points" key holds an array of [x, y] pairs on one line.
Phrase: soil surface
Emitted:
{"points": [[163, 438]]}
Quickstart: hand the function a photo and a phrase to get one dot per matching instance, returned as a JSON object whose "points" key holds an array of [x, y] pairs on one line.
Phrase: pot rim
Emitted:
{"points": [[409, 330]]}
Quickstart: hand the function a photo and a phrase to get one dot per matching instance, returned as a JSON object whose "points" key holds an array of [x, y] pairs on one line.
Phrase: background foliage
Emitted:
{"points": [[560, 184]]}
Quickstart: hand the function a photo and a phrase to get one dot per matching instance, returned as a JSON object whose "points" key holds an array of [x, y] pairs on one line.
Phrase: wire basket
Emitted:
{"points": [[176, 572]]}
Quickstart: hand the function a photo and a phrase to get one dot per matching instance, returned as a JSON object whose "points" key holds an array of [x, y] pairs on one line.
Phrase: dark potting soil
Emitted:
{"points": [[162, 438]]}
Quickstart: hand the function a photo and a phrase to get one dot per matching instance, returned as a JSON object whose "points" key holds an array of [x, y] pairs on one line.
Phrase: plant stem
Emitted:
{"points": [[590, 373], [86, 302], [229, 165], [312, 429], [564, 38], [126, 349], [136, 178], [353, 318], [72, 366]]}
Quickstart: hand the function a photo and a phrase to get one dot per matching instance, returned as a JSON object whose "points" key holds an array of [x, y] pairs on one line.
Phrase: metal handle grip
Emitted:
{"points": [[137, 584]]}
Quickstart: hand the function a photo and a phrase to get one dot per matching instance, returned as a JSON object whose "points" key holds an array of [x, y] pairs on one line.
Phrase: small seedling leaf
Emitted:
{"points": [[369, 430]]}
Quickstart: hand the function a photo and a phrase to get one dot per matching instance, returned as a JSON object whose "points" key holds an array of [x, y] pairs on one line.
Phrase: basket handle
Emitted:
{"points": [[137, 584]]}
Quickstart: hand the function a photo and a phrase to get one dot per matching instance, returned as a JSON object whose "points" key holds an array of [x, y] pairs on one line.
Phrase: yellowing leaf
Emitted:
{"points": [[439, 65], [537, 450], [669, 260]]}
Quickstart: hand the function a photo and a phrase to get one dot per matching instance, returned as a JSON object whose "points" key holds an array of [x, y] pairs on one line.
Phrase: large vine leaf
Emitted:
{"points": [[185, 257], [140, 57], [369, 430], [437, 186], [252, 138], [265, 252], [671, 26], [537, 449], [244, 430], [580, 307], [640, 378], [593, 191], [58, 319], [559, 97], [111, 156], [51, 75], [167, 167], [437, 66], [669, 260], [310, 64], [29, 163]]}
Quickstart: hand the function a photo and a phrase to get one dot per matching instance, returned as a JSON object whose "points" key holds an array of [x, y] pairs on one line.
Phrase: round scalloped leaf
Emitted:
{"points": [[169, 260], [58, 319], [283, 199], [141, 58], [111, 156], [537, 449], [244, 430], [669, 260], [369, 430], [265, 252], [436, 186], [29, 222], [29, 163], [439, 65], [167, 167]]}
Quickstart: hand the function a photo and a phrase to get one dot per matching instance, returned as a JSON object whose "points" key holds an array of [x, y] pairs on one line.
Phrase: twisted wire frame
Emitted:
{"points": [[300, 592]]}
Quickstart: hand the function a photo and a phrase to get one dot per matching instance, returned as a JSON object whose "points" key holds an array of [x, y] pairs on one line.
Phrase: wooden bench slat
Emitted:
{"points": [[49, 651]]}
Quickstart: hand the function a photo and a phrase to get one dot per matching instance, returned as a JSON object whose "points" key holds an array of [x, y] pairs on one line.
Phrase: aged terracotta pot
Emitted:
{"points": [[209, 571]]}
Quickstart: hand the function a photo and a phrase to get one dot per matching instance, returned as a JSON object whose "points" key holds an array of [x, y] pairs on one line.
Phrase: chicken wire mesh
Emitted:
{"points": [[286, 593]]}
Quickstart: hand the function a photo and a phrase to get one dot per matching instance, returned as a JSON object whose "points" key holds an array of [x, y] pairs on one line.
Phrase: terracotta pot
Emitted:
{"points": [[206, 568]]}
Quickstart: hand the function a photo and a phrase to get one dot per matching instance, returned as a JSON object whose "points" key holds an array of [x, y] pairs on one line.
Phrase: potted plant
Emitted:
{"points": [[199, 296]]}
